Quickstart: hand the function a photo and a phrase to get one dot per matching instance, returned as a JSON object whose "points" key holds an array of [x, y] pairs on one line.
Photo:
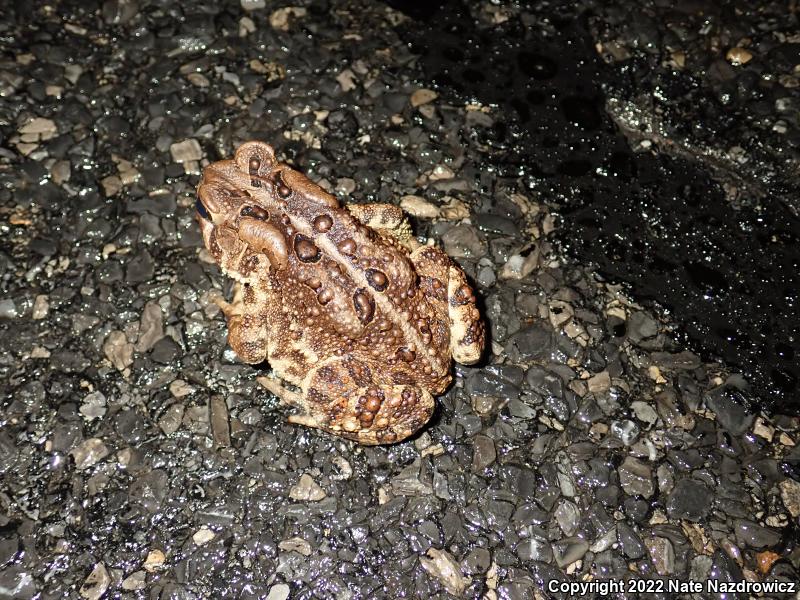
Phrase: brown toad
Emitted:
{"points": [[341, 301]]}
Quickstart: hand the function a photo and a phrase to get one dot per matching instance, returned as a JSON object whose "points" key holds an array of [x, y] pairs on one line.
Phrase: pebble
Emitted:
{"points": [[171, 420], [728, 405], [662, 555], [93, 406], [690, 500], [754, 535], [486, 277], [763, 429], [154, 561], [625, 430], [180, 389], [279, 591], [568, 550], [166, 351], [196, 419], [683, 361], [484, 453], [296, 544], [219, 419], [141, 268], [202, 536], [492, 385], [441, 565], [531, 344], [790, 494], [151, 327], [40, 307], [519, 266], [738, 56], [307, 490], [8, 309], [118, 350], [347, 80], [251, 5], [422, 96], [186, 151], [453, 209], [198, 80], [119, 12], [477, 561], [38, 129], [604, 542], [641, 326], [496, 224], [462, 241], [636, 477], [644, 412], [598, 383], [88, 453], [96, 583], [135, 581], [630, 542], [112, 185], [441, 172], [535, 549], [568, 516], [345, 186], [418, 206], [282, 18], [345, 469], [39, 352]]}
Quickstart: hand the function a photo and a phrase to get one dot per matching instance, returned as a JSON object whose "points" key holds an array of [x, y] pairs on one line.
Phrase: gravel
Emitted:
{"points": [[598, 438]]}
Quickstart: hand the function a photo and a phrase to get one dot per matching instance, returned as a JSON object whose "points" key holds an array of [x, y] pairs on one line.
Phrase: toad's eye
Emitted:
{"points": [[284, 191], [202, 210], [254, 211]]}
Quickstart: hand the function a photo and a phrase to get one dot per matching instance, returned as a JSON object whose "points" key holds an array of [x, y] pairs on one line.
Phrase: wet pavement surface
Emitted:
{"points": [[619, 189], [674, 167]]}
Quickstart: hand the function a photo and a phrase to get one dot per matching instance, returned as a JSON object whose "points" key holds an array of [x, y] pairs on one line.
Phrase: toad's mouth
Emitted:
{"points": [[204, 221]]}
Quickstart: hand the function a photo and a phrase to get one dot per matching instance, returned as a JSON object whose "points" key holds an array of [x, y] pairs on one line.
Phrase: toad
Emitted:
{"points": [[358, 321]]}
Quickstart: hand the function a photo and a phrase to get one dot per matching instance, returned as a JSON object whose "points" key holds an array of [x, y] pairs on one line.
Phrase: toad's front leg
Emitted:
{"points": [[247, 329], [340, 397]]}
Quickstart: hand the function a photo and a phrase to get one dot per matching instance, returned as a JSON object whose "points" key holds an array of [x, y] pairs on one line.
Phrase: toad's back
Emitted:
{"points": [[330, 285]]}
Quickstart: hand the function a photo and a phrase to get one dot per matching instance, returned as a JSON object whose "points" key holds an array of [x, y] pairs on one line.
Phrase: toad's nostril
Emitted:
{"points": [[202, 210]]}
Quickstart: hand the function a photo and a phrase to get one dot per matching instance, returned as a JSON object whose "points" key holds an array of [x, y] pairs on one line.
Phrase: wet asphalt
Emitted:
{"points": [[617, 180]]}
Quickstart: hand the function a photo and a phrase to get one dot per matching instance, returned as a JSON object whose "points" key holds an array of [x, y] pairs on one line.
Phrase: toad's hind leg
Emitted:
{"points": [[466, 326], [340, 397], [448, 287], [283, 393], [286, 396], [387, 219]]}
